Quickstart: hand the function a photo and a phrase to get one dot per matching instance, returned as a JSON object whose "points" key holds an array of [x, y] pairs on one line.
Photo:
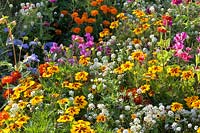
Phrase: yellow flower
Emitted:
{"points": [[65, 118], [76, 85], [81, 126], [84, 60], [15, 95], [174, 71], [53, 69], [138, 55], [145, 26], [114, 24], [22, 120], [72, 111], [121, 16], [80, 101], [190, 100], [155, 69], [127, 66], [27, 93], [22, 104], [196, 104], [20, 89], [187, 75], [81, 76], [145, 88], [87, 123], [152, 62], [138, 31], [118, 70], [149, 76], [101, 118], [63, 101], [47, 74], [29, 84], [198, 130], [138, 13], [36, 100], [136, 41], [175, 106], [144, 20]]}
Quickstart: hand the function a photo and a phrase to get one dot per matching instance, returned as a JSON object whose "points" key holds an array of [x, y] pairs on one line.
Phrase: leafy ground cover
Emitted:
{"points": [[100, 66]]}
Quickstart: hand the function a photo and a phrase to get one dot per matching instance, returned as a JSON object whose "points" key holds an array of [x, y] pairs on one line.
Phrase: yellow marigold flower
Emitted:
{"points": [[87, 123], [155, 69], [81, 76], [63, 101], [159, 23], [52, 69], [175, 106], [105, 32], [144, 20], [114, 24], [22, 120], [81, 128], [15, 96], [127, 66], [138, 13], [47, 74], [22, 104], [72, 111], [136, 41], [118, 70], [190, 100], [121, 16], [29, 84], [27, 93], [187, 75], [138, 31], [84, 60], [65, 118], [80, 101], [145, 26], [14, 126], [101, 118], [36, 100], [196, 104], [138, 55], [76, 85], [20, 89], [174, 71], [145, 88]]}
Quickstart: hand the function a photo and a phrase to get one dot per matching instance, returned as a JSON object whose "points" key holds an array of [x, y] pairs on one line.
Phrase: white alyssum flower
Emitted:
{"points": [[121, 116], [91, 106], [101, 106], [127, 107], [71, 93], [196, 127], [189, 125], [125, 131], [178, 129], [90, 96]]}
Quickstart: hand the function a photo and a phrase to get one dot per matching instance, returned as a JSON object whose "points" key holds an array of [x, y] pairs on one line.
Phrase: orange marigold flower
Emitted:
{"points": [[16, 75], [101, 118], [186, 75], [106, 23], [93, 3], [84, 17], [78, 20], [88, 29], [4, 115], [76, 30], [91, 20], [58, 32], [7, 80], [74, 15], [104, 9], [94, 13], [113, 10], [7, 93], [64, 12]]}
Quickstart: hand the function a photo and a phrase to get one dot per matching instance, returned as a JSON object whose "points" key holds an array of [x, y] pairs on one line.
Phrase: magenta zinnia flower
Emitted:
{"points": [[176, 2]]}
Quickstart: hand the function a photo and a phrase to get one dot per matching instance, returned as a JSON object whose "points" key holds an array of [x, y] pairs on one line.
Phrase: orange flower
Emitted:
{"points": [[4, 115], [16, 75], [88, 29], [64, 12], [106, 23], [58, 32], [93, 3], [113, 10], [99, 1], [74, 15], [7, 93], [161, 29], [78, 20], [104, 9], [84, 17], [91, 20], [94, 13], [76, 30], [7, 80]]}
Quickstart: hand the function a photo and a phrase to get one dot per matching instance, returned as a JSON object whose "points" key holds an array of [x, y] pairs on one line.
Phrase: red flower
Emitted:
{"points": [[138, 99], [7, 80], [7, 93], [4, 115], [16, 75]]}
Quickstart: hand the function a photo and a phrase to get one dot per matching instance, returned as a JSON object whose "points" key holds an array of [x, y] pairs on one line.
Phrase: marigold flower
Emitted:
{"points": [[15, 95], [175, 106], [118, 70], [81, 128], [84, 17], [64, 12], [84, 60], [94, 13], [4, 115], [7, 80], [74, 15], [88, 29], [65, 118], [91, 20], [76, 30], [155, 69], [104, 9], [58, 32], [136, 41], [186, 75], [138, 31], [101, 118], [190, 100], [63, 101], [80, 101], [196, 104], [7, 93], [113, 10], [93, 3], [22, 104], [81, 76], [161, 29], [114, 24], [138, 55], [72, 111], [174, 71], [127, 66], [106, 23], [16, 75], [145, 88], [22, 120], [36, 100], [78, 20]]}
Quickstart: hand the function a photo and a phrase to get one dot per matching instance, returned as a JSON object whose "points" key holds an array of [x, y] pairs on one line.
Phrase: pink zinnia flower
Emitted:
{"points": [[176, 2]]}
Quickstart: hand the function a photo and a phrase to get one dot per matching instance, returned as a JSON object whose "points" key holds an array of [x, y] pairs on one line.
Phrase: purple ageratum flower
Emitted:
{"points": [[31, 58], [32, 43], [198, 39], [53, 1], [176, 2], [55, 48], [180, 37]]}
